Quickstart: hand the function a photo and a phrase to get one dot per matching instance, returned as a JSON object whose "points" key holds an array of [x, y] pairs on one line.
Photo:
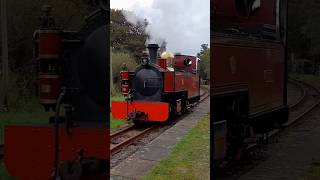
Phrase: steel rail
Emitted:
{"points": [[116, 147], [294, 105]]}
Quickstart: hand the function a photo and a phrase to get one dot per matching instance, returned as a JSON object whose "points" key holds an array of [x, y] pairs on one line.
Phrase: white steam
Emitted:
{"points": [[183, 24]]}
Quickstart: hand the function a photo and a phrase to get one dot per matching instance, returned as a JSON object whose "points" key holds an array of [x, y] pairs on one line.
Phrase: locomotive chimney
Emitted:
{"points": [[153, 52]]}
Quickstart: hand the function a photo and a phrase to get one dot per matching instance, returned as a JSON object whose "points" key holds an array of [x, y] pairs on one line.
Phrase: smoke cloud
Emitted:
{"points": [[183, 24]]}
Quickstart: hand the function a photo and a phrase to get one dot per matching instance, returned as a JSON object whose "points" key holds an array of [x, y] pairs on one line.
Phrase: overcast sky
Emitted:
{"points": [[185, 24]]}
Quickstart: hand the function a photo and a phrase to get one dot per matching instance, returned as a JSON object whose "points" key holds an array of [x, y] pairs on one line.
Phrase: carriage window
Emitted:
{"points": [[247, 7]]}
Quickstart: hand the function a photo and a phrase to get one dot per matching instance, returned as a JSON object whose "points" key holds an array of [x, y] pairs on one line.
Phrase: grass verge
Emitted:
{"points": [[34, 115], [313, 173], [190, 158], [308, 78], [3, 173]]}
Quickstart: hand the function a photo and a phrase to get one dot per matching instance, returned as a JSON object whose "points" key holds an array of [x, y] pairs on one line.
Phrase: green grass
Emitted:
{"points": [[3, 173], [35, 114], [308, 78], [116, 123], [190, 158], [313, 173]]}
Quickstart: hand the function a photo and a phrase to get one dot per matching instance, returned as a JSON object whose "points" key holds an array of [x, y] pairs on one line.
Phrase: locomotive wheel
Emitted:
{"points": [[172, 112], [140, 124], [235, 139], [184, 106]]}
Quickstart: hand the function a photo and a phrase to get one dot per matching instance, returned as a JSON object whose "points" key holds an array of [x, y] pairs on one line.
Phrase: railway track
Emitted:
{"points": [[309, 99], [303, 94], [206, 93], [129, 135]]}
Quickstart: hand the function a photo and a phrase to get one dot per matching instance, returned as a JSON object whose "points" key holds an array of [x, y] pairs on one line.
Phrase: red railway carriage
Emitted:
{"points": [[248, 71], [155, 92]]}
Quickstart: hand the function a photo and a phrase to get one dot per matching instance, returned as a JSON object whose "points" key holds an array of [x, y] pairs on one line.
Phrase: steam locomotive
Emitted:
{"points": [[74, 143], [156, 92], [249, 73]]}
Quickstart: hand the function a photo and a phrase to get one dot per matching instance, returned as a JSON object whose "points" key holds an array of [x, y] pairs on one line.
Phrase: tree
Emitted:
{"points": [[127, 37], [204, 55], [311, 29], [118, 60], [23, 20], [204, 48], [303, 30]]}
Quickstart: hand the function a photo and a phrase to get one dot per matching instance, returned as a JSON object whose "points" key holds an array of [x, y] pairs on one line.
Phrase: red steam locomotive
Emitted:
{"points": [[249, 72], [155, 92], [75, 142]]}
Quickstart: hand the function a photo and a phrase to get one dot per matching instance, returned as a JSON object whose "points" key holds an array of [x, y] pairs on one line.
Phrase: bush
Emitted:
{"points": [[117, 63], [204, 68], [21, 91]]}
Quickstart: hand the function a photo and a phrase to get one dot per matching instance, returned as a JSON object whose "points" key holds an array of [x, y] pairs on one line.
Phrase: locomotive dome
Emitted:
{"points": [[167, 55], [169, 58]]}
